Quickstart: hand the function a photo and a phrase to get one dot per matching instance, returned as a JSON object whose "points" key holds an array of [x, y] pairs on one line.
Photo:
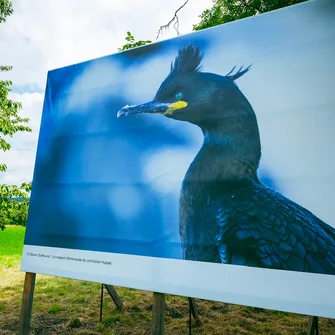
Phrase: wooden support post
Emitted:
{"points": [[113, 294], [313, 326], [194, 308], [27, 303], [101, 301], [158, 313], [116, 298]]}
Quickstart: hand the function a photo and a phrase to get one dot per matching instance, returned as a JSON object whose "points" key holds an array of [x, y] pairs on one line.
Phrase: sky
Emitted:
{"points": [[44, 35]]}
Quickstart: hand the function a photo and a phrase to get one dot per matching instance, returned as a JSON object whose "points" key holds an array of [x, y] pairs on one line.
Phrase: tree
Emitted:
{"points": [[14, 204], [11, 211], [6, 9], [224, 11], [10, 121]]}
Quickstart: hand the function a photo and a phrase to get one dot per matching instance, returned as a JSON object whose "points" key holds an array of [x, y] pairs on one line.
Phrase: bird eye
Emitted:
{"points": [[179, 96]]}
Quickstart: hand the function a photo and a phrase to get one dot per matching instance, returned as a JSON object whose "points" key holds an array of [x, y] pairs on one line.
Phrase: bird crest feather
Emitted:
{"points": [[189, 60], [239, 73]]}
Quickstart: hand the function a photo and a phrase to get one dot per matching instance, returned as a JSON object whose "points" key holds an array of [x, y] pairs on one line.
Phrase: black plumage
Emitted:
{"points": [[226, 214]]}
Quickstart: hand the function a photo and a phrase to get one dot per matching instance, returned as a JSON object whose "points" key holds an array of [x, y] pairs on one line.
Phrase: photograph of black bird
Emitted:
{"points": [[226, 214]]}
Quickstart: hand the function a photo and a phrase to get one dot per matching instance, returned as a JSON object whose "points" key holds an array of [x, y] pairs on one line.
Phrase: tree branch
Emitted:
{"points": [[174, 20]]}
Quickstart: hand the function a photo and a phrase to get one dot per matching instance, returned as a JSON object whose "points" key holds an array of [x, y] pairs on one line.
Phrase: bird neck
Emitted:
{"points": [[231, 151]]}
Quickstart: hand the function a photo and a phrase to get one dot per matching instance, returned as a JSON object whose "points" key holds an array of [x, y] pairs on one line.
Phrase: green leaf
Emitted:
{"points": [[6, 9], [132, 43]]}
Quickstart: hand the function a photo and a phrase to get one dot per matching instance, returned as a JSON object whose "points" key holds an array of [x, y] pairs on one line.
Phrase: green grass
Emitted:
{"points": [[11, 241], [11, 245], [65, 307], [54, 309]]}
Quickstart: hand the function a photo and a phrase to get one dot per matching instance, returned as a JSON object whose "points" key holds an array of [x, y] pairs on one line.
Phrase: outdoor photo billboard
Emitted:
{"points": [[200, 166]]}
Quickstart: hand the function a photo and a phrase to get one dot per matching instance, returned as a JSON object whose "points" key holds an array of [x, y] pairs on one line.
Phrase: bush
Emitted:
{"points": [[14, 204]]}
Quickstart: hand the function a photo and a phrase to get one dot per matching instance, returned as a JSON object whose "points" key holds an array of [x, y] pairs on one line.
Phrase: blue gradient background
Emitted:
{"points": [[112, 185]]}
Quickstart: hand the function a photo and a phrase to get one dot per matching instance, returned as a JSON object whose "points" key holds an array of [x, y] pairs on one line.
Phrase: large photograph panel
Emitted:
{"points": [[210, 153]]}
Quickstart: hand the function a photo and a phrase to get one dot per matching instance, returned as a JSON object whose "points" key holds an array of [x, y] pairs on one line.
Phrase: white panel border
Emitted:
{"points": [[297, 292]]}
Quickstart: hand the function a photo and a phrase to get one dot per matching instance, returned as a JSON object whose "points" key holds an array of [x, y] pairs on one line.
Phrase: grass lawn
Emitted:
{"points": [[65, 306], [11, 243]]}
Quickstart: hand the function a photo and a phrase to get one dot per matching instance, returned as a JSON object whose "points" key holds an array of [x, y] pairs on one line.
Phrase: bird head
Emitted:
{"points": [[188, 94]]}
